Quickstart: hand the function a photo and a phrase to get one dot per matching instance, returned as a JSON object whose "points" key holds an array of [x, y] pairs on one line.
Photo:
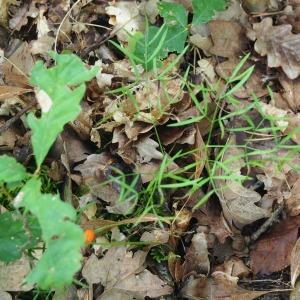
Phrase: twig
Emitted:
{"points": [[17, 116], [266, 224], [102, 39]]}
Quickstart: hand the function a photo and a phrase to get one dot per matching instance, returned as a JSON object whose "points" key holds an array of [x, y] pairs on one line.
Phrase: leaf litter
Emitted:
{"points": [[158, 242]]}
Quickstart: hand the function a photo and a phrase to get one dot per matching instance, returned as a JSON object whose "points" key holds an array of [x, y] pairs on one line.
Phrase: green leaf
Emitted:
{"points": [[11, 170], [62, 237], [175, 16], [204, 10], [61, 89], [158, 42], [13, 237]]}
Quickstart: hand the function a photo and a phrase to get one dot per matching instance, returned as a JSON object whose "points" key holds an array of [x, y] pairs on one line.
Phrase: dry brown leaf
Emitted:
{"points": [[155, 236], [196, 259], [291, 92], [180, 135], [273, 251], [121, 273], [238, 202], [279, 44], [146, 148], [125, 15], [12, 275], [220, 287], [292, 204], [291, 122], [97, 171], [7, 92], [22, 14], [229, 38], [210, 216], [234, 267], [254, 83], [5, 296], [20, 63], [295, 263]]}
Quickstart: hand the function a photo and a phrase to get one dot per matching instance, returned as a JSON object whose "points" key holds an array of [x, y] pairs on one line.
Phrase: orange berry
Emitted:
{"points": [[89, 235]]}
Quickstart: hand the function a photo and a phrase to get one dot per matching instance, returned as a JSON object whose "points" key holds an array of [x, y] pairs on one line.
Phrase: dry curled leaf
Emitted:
{"points": [[123, 274], [279, 44], [295, 262], [238, 202], [220, 286]]}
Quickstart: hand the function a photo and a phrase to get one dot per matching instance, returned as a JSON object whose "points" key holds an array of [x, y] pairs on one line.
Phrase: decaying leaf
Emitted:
{"points": [[279, 44], [238, 202], [123, 274], [292, 204], [12, 276], [100, 173], [125, 15], [196, 260], [220, 286], [295, 263], [273, 251]]}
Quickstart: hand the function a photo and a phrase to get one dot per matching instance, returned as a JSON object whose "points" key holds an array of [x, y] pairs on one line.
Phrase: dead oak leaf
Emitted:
{"points": [[273, 252], [123, 273], [279, 44], [146, 149], [290, 92]]}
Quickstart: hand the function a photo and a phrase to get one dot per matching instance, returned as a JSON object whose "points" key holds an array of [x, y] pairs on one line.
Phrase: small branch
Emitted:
{"points": [[268, 223], [17, 116]]}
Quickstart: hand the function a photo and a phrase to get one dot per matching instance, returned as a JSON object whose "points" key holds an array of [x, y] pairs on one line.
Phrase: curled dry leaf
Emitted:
{"points": [[291, 91], [292, 204], [279, 44], [238, 202], [295, 263], [196, 260], [146, 148], [125, 15], [98, 173], [220, 286]]}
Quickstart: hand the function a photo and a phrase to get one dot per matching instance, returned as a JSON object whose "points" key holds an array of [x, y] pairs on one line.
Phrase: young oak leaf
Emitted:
{"points": [[204, 10], [62, 237], [62, 88]]}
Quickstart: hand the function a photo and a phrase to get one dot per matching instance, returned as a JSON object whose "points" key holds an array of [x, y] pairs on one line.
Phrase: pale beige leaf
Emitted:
{"points": [[12, 275], [279, 44], [146, 149], [295, 263], [124, 15]]}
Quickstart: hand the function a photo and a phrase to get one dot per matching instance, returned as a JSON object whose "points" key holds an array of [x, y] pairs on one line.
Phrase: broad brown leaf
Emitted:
{"points": [[279, 44], [228, 37], [273, 252]]}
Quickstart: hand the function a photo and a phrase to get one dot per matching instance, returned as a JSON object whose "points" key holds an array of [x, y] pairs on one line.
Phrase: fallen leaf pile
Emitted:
{"points": [[153, 239]]}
